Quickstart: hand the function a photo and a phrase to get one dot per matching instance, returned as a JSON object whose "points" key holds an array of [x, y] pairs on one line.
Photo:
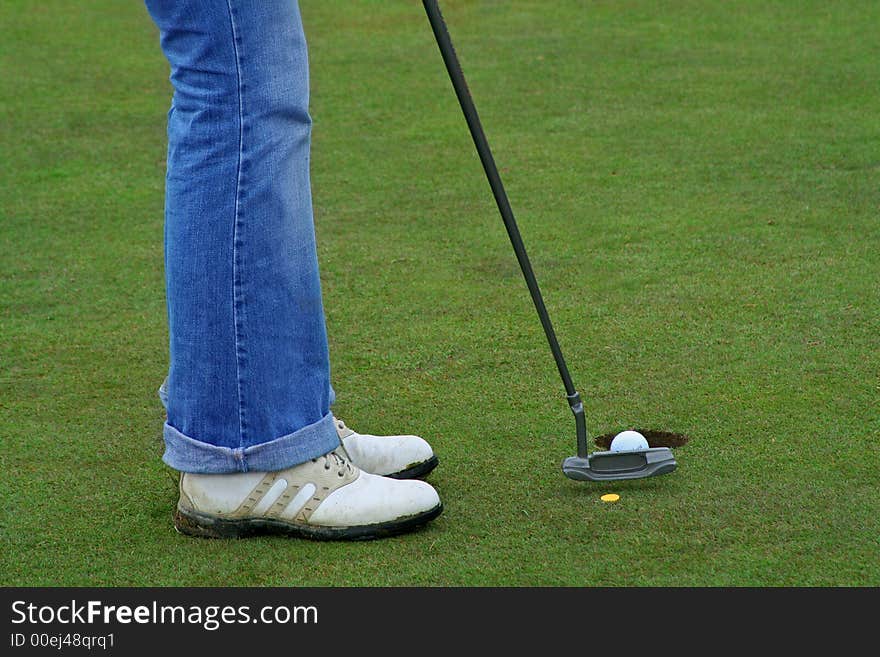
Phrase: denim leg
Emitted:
{"points": [[249, 382]]}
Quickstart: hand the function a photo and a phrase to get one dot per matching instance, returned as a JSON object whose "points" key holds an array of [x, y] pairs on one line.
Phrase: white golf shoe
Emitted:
{"points": [[327, 498], [399, 457]]}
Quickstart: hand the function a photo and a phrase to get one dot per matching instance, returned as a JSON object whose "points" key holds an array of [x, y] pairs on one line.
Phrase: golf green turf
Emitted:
{"points": [[698, 185]]}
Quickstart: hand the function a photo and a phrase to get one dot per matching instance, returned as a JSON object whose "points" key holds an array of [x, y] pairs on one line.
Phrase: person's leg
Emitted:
{"points": [[248, 385], [244, 300], [248, 392]]}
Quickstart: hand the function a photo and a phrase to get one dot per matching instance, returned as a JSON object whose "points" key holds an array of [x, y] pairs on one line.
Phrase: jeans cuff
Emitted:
{"points": [[189, 455]]}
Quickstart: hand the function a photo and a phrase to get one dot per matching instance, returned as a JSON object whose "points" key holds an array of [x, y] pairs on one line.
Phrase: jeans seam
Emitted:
{"points": [[237, 297]]}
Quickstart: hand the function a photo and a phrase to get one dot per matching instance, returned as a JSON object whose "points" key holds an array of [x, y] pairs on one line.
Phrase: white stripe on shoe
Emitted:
{"points": [[270, 496]]}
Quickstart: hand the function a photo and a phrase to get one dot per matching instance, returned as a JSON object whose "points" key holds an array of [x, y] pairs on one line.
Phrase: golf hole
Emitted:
{"points": [[654, 438]]}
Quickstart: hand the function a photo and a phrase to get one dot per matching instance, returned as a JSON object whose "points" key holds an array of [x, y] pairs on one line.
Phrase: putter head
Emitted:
{"points": [[615, 466]]}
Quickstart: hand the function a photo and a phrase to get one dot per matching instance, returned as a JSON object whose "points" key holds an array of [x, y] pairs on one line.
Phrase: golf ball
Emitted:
{"points": [[627, 441]]}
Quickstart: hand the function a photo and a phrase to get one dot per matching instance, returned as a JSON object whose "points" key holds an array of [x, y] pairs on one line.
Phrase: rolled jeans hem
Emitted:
{"points": [[189, 455]]}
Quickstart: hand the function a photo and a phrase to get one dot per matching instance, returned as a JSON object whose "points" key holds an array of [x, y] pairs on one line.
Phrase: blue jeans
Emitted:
{"points": [[249, 379]]}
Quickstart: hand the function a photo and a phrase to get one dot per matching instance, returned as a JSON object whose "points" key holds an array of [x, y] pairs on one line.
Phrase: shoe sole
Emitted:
{"points": [[417, 470], [201, 525]]}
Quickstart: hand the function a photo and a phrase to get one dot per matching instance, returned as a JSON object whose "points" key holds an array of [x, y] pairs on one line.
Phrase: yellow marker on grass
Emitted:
{"points": [[610, 497]]}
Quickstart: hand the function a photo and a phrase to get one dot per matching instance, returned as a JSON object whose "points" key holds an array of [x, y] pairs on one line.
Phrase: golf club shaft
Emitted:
{"points": [[438, 25]]}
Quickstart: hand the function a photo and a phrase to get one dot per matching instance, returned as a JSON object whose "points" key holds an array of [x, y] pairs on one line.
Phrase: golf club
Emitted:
{"points": [[598, 466]]}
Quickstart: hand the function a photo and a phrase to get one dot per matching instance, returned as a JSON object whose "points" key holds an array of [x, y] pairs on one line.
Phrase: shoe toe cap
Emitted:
{"points": [[385, 455], [373, 499]]}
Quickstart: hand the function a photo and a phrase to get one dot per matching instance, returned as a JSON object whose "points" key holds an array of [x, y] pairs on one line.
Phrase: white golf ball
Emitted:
{"points": [[627, 441]]}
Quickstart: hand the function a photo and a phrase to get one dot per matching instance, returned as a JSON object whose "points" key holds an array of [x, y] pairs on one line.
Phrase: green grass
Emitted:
{"points": [[698, 186]]}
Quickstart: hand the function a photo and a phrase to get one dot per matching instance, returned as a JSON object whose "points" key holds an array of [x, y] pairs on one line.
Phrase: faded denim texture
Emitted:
{"points": [[248, 386]]}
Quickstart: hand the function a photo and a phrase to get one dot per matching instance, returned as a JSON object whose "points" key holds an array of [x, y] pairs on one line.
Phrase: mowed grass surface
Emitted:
{"points": [[698, 186]]}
